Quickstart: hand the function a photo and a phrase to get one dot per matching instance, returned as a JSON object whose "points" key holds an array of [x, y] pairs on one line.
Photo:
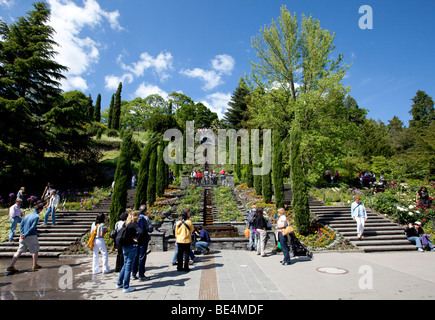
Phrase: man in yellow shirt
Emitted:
{"points": [[183, 235]]}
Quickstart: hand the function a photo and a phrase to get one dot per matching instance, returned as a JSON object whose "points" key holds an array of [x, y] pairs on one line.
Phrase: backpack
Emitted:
{"points": [[250, 216], [145, 224], [121, 237]]}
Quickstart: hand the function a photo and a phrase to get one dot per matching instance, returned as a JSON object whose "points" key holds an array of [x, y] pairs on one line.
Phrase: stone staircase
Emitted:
{"points": [[70, 227], [380, 234]]}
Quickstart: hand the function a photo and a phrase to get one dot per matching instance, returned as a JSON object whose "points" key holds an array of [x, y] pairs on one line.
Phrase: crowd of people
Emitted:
{"points": [[210, 177], [132, 233]]}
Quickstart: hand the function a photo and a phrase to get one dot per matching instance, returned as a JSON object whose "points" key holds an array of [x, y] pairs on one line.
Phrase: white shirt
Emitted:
{"points": [[15, 211], [54, 201]]}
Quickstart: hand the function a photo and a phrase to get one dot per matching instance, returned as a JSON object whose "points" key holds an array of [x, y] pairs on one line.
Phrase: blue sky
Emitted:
{"points": [[201, 48]]}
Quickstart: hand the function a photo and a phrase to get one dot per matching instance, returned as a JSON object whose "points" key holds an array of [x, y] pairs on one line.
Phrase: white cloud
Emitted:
{"points": [[6, 3], [112, 82], [211, 78], [217, 102], [144, 90], [221, 65], [162, 64], [76, 52]]}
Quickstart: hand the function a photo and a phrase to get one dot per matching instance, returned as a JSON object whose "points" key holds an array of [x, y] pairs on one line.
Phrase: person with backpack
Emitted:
{"points": [[100, 245], [142, 245], [128, 238], [118, 246], [251, 225], [183, 235]]}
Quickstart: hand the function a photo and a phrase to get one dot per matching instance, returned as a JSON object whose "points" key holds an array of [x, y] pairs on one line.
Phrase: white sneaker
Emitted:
{"points": [[420, 249], [129, 289]]}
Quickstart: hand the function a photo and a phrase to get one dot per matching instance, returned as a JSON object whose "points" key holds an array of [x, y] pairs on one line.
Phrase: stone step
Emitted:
{"points": [[42, 254], [366, 242], [378, 237], [368, 224], [352, 233], [41, 248], [388, 248], [42, 242]]}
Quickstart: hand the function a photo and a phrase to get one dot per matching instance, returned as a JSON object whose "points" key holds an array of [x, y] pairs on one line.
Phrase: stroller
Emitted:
{"points": [[297, 248]]}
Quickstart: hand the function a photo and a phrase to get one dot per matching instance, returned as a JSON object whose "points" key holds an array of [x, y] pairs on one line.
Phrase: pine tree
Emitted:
{"points": [[122, 179], [301, 209], [142, 182], [29, 86], [97, 110], [116, 115], [237, 112], [277, 172]]}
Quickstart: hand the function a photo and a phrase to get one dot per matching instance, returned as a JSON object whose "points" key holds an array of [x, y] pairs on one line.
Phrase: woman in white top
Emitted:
{"points": [[100, 245], [283, 240], [52, 205], [359, 214]]}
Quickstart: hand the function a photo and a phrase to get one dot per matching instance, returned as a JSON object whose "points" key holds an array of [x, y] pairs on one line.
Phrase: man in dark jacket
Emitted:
{"points": [[203, 240], [142, 245]]}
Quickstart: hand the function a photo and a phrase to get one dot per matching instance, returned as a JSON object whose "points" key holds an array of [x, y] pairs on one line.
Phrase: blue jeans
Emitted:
{"points": [[252, 238], [417, 242], [129, 256], [47, 213], [140, 260], [284, 248], [202, 245], [14, 223]]}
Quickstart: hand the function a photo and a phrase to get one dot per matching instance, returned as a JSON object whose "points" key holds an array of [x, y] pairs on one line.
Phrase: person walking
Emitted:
{"points": [[183, 235], [202, 243], [129, 249], [359, 214], [250, 222], [52, 205], [261, 227], [283, 240], [142, 245], [28, 239], [46, 193], [15, 217], [100, 245]]}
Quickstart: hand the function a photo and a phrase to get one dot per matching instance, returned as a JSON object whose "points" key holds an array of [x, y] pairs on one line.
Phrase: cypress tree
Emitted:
{"points": [[116, 115], [248, 175], [111, 107], [267, 187], [301, 209], [237, 112], [151, 189], [160, 171], [277, 172], [122, 180], [142, 182], [97, 110], [258, 184]]}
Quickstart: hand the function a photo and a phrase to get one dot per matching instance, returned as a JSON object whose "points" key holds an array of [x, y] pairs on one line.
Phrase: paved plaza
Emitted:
{"points": [[233, 275]]}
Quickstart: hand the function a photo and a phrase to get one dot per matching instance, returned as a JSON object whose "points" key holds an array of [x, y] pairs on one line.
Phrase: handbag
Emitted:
{"points": [[91, 240], [247, 233], [287, 230]]}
